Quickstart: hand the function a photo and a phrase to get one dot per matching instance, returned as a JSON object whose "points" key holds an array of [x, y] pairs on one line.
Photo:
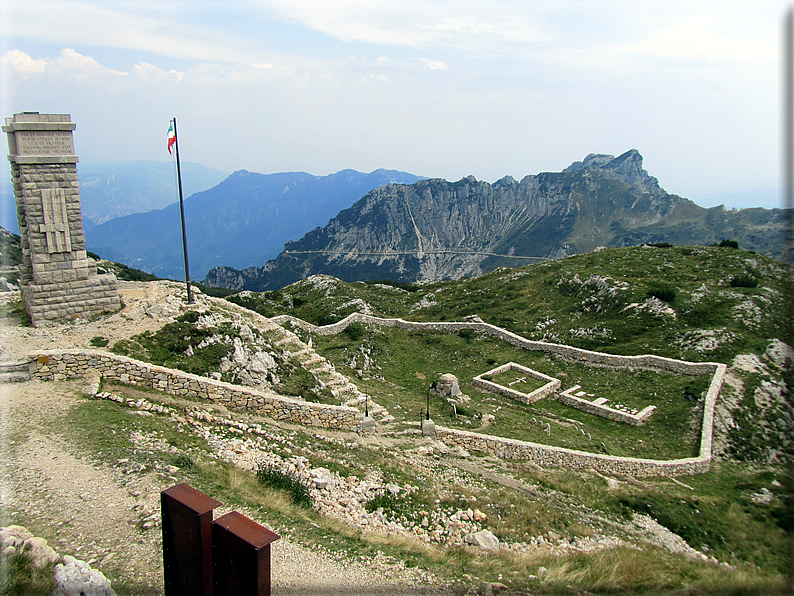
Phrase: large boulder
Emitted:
{"points": [[484, 539], [40, 552], [446, 386]]}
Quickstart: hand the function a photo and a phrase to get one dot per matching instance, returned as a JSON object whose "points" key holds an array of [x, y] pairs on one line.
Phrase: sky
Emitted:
{"points": [[438, 88]]}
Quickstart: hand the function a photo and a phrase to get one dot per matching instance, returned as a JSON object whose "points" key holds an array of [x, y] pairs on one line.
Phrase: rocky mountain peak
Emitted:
{"points": [[626, 167]]}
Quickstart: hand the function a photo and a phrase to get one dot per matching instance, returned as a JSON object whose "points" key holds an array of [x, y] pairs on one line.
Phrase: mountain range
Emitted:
{"points": [[243, 221], [434, 229], [115, 189]]}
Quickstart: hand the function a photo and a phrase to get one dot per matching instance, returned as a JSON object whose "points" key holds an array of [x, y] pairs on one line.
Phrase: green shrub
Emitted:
{"points": [[326, 319], [130, 274], [272, 476], [729, 244], [253, 303], [388, 502], [190, 316], [739, 281], [355, 331], [663, 292], [214, 291], [99, 341], [183, 461], [19, 576], [467, 334]]}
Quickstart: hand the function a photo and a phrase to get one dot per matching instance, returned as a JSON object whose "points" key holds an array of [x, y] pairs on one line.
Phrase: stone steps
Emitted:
{"points": [[14, 372], [339, 385]]}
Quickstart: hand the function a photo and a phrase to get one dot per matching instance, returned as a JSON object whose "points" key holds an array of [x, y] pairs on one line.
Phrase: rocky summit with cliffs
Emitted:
{"points": [[434, 229]]}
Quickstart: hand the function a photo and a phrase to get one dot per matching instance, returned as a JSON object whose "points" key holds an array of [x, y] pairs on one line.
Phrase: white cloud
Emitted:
{"points": [[82, 67], [262, 65], [149, 72], [155, 28], [697, 38], [415, 23], [22, 63], [433, 64], [68, 63]]}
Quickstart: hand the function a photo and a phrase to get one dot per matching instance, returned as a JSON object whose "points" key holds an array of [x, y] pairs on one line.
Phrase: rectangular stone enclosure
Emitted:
{"points": [[57, 280]]}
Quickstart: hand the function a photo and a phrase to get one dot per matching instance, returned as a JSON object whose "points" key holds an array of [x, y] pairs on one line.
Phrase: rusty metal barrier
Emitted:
{"points": [[202, 557], [240, 556], [187, 541]]}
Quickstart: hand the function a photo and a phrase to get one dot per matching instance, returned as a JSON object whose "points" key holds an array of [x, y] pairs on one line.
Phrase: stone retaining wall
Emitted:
{"points": [[546, 455], [62, 364], [644, 362]]}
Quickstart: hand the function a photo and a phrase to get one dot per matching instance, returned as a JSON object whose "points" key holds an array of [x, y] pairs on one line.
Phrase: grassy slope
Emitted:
{"points": [[562, 301], [714, 511]]}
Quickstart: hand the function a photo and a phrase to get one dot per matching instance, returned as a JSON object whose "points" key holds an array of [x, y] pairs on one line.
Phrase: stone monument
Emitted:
{"points": [[58, 282]]}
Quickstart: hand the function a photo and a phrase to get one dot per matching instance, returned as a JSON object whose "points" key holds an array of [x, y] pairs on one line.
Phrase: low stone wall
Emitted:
{"points": [[644, 362], [546, 455], [549, 388], [62, 364], [557, 456], [709, 405], [584, 405]]}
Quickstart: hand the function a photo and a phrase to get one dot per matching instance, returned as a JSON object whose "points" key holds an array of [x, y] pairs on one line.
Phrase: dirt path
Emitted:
{"points": [[98, 514]]}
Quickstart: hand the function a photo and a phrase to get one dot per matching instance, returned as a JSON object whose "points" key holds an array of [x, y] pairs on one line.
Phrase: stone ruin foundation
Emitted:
{"points": [[58, 281]]}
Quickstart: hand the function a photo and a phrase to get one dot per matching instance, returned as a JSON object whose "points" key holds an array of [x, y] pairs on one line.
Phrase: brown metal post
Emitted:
{"points": [[187, 541], [241, 556]]}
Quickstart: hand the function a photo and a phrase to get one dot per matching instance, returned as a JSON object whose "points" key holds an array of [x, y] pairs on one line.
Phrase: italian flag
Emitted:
{"points": [[171, 136]]}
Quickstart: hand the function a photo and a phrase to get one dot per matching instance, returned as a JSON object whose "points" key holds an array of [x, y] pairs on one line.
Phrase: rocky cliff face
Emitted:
{"points": [[434, 229]]}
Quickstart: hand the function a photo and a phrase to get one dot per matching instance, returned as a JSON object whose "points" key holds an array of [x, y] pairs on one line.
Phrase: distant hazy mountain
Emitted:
{"points": [[243, 221], [115, 189], [110, 190], [434, 229]]}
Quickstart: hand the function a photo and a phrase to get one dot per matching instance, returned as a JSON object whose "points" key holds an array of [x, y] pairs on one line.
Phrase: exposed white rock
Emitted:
{"points": [[76, 578], [484, 539]]}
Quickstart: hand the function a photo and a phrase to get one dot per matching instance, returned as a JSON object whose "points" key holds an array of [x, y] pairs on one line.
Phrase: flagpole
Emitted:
{"points": [[182, 213]]}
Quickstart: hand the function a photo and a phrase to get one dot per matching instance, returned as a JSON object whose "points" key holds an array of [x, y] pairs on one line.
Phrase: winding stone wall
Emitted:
{"points": [[644, 362], [63, 364], [558, 456], [546, 455]]}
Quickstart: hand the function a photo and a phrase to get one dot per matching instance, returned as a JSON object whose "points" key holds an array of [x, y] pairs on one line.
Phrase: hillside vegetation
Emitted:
{"points": [[718, 304], [561, 531]]}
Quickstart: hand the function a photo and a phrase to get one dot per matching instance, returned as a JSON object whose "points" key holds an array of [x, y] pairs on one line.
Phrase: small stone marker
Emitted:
{"points": [[428, 428], [57, 280]]}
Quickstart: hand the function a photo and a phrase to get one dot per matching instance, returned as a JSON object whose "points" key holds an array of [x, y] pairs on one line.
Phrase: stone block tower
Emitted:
{"points": [[57, 280]]}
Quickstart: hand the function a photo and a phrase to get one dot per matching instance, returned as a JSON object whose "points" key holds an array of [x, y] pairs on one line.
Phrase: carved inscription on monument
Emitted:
{"points": [[44, 142], [56, 220]]}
